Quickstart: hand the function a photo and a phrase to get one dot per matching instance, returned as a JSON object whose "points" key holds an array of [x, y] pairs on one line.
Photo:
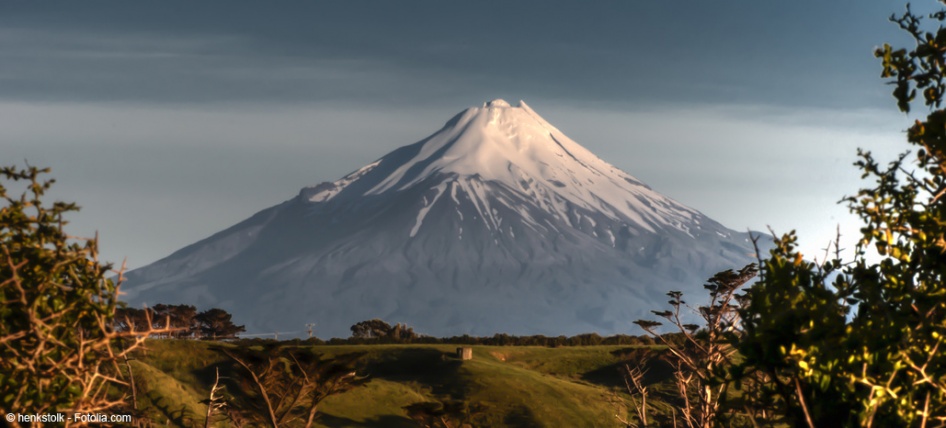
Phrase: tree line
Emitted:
{"points": [[180, 321], [829, 343], [377, 331]]}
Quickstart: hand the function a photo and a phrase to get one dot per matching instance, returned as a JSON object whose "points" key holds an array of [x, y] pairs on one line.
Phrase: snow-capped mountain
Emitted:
{"points": [[497, 222]]}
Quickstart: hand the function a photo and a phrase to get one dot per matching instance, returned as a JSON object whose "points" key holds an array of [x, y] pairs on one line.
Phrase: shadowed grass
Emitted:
{"points": [[505, 385], [165, 399]]}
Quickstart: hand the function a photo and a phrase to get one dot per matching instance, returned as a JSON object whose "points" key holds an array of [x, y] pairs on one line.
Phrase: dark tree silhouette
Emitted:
{"points": [[371, 329], [216, 324]]}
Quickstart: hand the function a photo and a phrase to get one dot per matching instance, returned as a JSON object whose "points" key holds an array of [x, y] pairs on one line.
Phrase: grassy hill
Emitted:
{"points": [[500, 386]]}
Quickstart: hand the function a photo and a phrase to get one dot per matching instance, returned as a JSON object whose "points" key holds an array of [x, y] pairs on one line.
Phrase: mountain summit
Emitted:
{"points": [[515, 148], [498, 222]]}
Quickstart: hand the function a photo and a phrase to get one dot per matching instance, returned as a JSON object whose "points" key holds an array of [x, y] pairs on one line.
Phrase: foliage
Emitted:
{"points": [[378, 329], [502, 339], [370, 329], [290, 383], [216, 324], [867, 350], [181, 321], [181, 318], [791, 315], [700, 354], [57, 348]]}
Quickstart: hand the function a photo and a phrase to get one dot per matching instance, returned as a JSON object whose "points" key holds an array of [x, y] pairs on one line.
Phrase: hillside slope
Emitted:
{"points": [[505, 386]]}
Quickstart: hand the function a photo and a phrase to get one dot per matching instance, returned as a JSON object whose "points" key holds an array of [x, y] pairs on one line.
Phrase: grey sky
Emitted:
{"points": [[625, 52], [170, 121]]}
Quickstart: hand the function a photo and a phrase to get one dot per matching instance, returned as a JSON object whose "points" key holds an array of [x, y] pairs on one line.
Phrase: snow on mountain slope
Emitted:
{"points": [[497, 222], [516, 148]]}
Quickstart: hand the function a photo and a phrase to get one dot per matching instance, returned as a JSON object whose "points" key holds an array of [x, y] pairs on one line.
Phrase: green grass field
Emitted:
{"points": [[501, 385]]}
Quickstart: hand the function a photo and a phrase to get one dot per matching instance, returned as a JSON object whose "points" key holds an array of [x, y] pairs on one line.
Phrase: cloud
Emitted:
{"points": [[160, 68], [169, 122], [629, 53], [155, 178]]}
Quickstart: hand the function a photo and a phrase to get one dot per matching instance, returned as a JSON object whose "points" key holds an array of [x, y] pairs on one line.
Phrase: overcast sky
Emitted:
{"points": [[170, 121]]}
